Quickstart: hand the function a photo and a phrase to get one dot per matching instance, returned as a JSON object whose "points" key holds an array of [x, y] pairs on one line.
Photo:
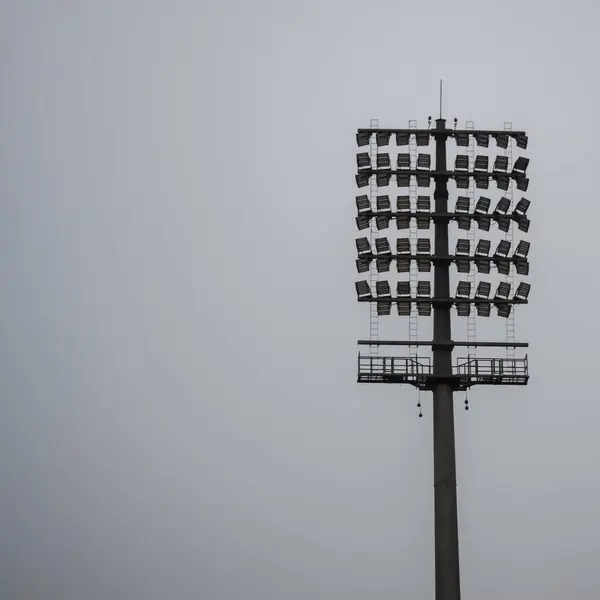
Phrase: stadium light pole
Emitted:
{"points": [[442, 378]]}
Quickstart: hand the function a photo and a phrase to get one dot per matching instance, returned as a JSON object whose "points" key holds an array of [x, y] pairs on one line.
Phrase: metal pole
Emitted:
{"points": [[447, 576]]}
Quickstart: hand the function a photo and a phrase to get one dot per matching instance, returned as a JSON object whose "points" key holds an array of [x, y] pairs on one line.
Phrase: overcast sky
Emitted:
{"points": [[179, 412]]}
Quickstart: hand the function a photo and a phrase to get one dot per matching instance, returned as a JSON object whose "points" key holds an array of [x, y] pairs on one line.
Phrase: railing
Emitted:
{"points": [[492, 367], [394, 365]]}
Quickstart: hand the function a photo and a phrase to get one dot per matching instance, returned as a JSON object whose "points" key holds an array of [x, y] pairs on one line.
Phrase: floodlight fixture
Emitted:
{"points": [[383, 289], [503, 290], [524, 224], [363, 265], [502, 249], [403, 161], [482, 292], [504, 310], [521, 140], [363, 203], [463, 250], [520, 166], [522, 291], [363, 138], [422, 138], [363, 246], [482, 182], [502, 181], [461, 138], [362, 179], [383, 264], [383, 204], [383, 138], [461, 162], [501, 164], [522, 249], [523, 267], [462, 182], [502, 206], [363, 222], [482, 139], [363, 160], [463, 290], [481, 163], [383, 178], [402, 138], [521, 208], [363, 289], [383, 161], [382, 246], [522, 184], [384, 308], [501, 140], [424, 162]]}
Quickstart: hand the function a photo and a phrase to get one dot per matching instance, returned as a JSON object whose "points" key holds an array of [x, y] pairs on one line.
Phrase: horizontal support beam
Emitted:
{"points": [[447, 343], [439, 258], [444, 301], [446, 132], [440, 215], [448, 174]]}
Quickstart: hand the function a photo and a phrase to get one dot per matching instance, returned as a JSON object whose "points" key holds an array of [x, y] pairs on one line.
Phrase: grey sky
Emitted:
{"points": [[179, 415]]}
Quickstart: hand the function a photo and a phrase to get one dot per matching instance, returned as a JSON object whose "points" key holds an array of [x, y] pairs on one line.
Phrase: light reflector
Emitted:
{"points": [[462, 139], [383, 178], [383, 289], [503, 290], [461, 162], [520, 166], [363, 204], [363, 160], [481, 163], [521, 140], [363, 138], [363, 222], [383, 161], [482, 139], [382, 246], [363, 264], [362, 289], [383, 204], [362, 179], [402, 138], [522, 207], [501, 164], [384, 308], [422, 138], [501, 140], [363, 246], [522, 184], [502, 249], [522, 292], [522, 249], [424, 161], [403, 161], [383, 138], [383, 264]]}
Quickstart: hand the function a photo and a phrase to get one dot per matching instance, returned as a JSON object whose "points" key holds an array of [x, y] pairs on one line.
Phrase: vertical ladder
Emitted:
{"points": [[472, 237], [373, 273], [510, 278], [413, 192]]}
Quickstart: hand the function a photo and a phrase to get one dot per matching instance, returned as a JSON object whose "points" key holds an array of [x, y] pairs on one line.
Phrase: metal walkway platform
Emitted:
{"points": [[466, 373]]}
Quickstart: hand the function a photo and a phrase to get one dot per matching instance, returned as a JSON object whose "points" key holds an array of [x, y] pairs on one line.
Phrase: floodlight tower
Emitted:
{"points": [[441, 376]]}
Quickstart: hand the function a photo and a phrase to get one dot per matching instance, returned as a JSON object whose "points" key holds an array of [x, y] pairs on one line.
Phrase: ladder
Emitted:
{"points": [[413, 192], [510, 278], [472, 237], [373, 273]]}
